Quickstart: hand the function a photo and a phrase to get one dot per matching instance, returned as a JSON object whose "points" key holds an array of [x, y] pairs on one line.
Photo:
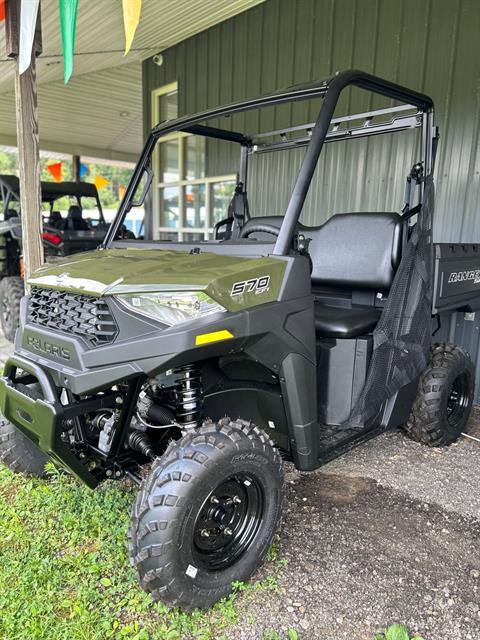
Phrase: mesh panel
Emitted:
{"points": [[82, 315], [402, 338]]}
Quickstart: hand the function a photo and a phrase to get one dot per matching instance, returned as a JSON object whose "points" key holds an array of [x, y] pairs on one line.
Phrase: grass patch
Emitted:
{"points": [[64, 572], [271, 634], [396, 632]]}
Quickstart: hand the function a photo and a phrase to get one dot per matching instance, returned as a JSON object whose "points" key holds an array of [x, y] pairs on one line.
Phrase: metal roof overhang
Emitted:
{"points": [[99, 113]]}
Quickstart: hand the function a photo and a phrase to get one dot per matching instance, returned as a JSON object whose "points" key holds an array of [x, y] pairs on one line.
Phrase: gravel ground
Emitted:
{"points": [[388, 533], [448, 477]]}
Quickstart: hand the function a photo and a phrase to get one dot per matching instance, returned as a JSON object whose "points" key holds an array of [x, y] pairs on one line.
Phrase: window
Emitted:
{"points": [[186, 201]]}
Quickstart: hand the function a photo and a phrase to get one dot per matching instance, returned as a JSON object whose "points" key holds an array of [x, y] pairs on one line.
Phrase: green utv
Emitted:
{"points": [[194, 367], [80, 227]]}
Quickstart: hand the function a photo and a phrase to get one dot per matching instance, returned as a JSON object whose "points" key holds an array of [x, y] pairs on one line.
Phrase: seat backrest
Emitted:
{"points": [[356, 250], [55, 219], [11, 213], [75, 221], [351, 250]]}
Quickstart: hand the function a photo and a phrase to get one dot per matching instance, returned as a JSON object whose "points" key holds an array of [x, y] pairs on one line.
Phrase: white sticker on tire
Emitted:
{"points": [[191, 571]]}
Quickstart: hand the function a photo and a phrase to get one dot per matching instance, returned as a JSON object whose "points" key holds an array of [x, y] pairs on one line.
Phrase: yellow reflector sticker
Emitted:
{"points": [[215, 336]]}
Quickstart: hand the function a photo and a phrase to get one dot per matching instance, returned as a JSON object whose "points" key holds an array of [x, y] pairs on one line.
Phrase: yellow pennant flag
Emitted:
{"points": [[101, 182], [131, 18]]}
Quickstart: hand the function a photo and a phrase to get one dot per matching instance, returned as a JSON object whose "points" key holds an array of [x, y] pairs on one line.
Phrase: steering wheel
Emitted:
{"points": [[125, 234], [259, 228]]}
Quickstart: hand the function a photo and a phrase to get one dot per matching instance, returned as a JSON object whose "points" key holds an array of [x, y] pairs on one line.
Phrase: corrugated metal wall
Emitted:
{"points": [[432, 46]]}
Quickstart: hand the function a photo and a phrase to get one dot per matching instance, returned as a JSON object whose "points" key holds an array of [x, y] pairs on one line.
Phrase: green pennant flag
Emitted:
{"points": [[68, 23]]}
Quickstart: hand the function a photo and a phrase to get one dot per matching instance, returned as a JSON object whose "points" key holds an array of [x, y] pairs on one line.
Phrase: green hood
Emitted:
{"points": [[120, 271]]}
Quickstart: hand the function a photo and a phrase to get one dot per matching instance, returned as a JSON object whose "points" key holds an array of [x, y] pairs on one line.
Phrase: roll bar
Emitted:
{"points": [[328, 89], [320, 130]]}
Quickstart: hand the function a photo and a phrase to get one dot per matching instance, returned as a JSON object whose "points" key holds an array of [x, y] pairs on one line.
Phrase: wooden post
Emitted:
{"points": [[27, 141]]}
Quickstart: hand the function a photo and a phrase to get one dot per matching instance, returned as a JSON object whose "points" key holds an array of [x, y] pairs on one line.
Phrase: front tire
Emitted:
{"points": [[444, 397], [12, 291], [206, 514], [19, 453]]}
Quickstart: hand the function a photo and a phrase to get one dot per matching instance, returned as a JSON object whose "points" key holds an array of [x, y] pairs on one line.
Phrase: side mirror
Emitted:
{"points": [[142, 188]]}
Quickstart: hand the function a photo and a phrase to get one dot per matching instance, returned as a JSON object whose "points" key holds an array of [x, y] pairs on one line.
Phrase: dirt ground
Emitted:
{"points": [[388, 533]]}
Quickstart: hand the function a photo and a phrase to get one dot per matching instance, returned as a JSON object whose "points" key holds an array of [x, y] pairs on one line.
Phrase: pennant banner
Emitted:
{"points": [[101, 182], [2, 10], [28, 22], [121, 192], [68, 23], [55, 171], [83, 170], [131, 18]]}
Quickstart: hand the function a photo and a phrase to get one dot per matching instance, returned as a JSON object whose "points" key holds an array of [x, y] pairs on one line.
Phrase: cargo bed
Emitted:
{"points": [[456, 284]]}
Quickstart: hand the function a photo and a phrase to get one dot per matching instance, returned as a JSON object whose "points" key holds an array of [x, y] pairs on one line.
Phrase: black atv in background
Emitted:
{"points": [[69, 226]]}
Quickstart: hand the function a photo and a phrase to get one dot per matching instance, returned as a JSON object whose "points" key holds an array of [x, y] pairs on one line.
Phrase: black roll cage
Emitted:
{"points": [[51, 191], [316, 135]]}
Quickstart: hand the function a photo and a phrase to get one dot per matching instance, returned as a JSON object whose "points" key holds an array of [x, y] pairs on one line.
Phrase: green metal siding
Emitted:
{"points": [[433, 46]]}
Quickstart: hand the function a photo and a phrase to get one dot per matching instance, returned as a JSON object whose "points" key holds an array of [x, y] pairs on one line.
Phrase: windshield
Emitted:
{"points": [[74, 213], [201, 179], [193, 182], [190, 197]]}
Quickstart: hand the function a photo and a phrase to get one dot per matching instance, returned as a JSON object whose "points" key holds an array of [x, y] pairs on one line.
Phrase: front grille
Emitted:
{"points": [[75, 313]]}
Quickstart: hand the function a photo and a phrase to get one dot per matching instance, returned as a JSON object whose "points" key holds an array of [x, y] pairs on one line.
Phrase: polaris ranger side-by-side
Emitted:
{"points": [[194, 367], [78, 229]]}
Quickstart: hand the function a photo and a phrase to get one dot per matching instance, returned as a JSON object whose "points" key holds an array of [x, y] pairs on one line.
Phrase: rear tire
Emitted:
{"points": [[206, 514], [12, 291], [444, 397], [19, 453]]}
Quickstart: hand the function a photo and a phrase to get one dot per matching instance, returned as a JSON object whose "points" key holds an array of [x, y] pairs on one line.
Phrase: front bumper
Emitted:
{"points": [[64, 364], [39, 415]]}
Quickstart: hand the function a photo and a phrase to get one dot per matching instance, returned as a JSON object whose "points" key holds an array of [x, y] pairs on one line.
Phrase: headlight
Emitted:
{"points": [[172, 307]]}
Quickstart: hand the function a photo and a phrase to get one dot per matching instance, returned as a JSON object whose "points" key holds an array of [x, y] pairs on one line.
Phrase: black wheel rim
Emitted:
{"points": [[228, 522], [458, 399]]}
